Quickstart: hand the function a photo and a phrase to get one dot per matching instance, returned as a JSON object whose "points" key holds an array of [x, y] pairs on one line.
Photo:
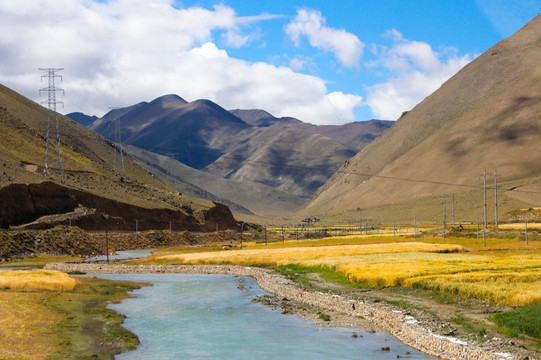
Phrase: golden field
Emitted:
{"points": [[520, 226], [286, 255], [506, 271], [25, 320], [36, 280]]}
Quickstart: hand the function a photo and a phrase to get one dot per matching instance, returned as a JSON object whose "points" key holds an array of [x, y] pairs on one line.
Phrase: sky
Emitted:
{"points": [[321, 61]]}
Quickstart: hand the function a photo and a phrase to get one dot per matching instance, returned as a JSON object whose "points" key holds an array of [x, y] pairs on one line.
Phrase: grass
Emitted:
{"points": [[36, 280], [39, 260], [276, 256], [506, 271], [521, 321], [73, 324], [471, 326], [301, 275]]}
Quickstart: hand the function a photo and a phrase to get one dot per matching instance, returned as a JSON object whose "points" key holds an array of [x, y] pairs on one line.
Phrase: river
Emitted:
{"points": [[208, 317]]}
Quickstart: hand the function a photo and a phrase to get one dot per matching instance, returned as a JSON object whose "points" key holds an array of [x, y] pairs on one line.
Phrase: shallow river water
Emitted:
{"points": [[207, 317]]}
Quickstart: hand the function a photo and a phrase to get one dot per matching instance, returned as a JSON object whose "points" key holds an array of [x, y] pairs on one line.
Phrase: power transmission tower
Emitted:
{"points": [[172, 172], [51, 114], [118, 147]]}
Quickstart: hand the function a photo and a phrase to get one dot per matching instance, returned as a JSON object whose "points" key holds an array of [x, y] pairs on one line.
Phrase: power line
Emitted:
{"points": [[339, 171], [51, 114]]}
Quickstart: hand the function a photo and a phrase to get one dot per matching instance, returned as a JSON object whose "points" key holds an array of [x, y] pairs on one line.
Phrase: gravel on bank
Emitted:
{"points": [[384, 316]]}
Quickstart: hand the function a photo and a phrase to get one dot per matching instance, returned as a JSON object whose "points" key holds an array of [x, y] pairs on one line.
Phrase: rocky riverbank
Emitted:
{"points": [[350, 312]]}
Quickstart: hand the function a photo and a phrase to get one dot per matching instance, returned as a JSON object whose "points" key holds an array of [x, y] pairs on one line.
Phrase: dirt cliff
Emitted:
{"points": [[47, 204]]}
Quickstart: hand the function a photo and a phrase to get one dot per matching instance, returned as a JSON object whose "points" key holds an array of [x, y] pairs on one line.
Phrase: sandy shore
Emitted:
{"points": [[343, 311]]}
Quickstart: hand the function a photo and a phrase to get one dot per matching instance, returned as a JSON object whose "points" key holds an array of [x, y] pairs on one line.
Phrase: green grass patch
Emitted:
{"points": [[324, 317], [39, 260], [300, 274], [89, 329], [524, 320], [406, 305], [471, 326]]}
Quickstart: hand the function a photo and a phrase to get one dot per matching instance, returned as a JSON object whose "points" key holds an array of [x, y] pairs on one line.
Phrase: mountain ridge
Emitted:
{"points": [[258, 149], [483, 118]]}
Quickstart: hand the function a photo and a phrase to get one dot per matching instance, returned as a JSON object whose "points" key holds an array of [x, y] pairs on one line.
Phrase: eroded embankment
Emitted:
{"points": [[386, 317]]}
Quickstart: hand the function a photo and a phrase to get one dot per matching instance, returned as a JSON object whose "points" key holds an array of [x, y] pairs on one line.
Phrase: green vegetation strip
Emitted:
{"points": [[524, 320], [301, 275], [89, 329]]}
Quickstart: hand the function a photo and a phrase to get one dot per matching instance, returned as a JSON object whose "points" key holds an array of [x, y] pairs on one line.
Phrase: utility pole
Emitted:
{"points": [[485, 207], [241, 230], [496, 199], [485, 200], [366, 226], [360, 221], [51, 115], [526, 230], [444, 218], [453, 208], [106, 217]]}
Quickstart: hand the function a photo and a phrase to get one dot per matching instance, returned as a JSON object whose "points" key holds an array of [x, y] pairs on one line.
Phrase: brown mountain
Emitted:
{"points": [[356, 134], [90, 190], [267, 165], [486, 117]]}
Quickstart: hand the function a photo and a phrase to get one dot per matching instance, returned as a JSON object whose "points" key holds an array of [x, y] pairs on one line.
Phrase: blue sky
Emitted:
{"points": [[325, 62]]}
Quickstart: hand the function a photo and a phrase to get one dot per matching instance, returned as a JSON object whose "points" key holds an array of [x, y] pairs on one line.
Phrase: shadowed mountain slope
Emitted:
{"points": [[485, 117], [356, 134], [280, 161]]}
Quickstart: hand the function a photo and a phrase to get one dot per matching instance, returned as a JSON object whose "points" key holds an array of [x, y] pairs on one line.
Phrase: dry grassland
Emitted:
{"points": [[506, 271], [23, 320], [36, 280], [520, 226], [286, 255]]}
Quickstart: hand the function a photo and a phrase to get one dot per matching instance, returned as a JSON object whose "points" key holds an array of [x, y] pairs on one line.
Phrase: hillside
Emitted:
{"points": [[88, 163], [356, 134], [486, 117], [262, 165], [256, 198]]}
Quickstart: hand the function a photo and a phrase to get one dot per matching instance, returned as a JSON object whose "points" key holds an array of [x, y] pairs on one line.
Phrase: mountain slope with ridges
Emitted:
{"points": [[485, 117]]}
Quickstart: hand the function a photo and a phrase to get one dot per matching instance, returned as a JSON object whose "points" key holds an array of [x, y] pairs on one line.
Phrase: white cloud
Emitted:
{"points": [[310, 23], [414, 70], [121, 52]]}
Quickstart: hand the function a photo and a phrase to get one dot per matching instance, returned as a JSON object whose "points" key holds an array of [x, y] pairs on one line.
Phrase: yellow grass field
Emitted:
{"points": [[28, 326], [287, 255], [520, 226], [505, 272], [36, 280]]}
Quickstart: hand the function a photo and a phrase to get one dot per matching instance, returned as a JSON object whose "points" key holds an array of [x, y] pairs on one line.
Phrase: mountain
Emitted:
{"points": [[83, 119], [263, 165], [90, 190], [256, 198], [486, 117], [356, 134]]}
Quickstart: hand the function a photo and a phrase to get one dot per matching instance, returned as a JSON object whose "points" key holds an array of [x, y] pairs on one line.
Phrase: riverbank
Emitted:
{"points": [[347, 312]]}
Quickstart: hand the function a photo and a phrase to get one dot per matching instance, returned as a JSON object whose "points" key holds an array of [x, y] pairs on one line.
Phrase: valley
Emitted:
{"points": [[427, 228]]}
